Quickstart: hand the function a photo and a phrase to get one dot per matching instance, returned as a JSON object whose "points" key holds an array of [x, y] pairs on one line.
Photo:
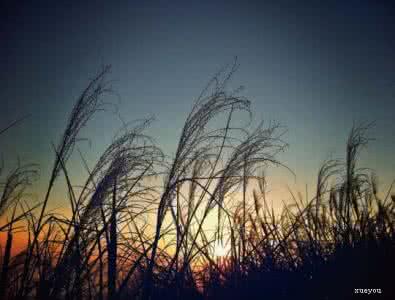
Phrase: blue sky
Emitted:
{"points": [[315, 67]]}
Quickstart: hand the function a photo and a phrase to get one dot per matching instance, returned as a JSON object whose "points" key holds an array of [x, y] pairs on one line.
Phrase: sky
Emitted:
{"points": [[317, 67]]}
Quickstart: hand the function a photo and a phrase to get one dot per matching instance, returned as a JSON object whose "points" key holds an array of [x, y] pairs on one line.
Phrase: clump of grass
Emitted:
{"points": [[129, 237]]}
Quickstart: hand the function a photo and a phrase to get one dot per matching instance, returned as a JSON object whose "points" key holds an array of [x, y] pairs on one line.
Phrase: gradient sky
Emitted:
{"points": [[315, 66]]}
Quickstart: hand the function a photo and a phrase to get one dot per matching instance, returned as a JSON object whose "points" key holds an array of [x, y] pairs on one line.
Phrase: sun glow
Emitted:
{"points": [[221, 250]]}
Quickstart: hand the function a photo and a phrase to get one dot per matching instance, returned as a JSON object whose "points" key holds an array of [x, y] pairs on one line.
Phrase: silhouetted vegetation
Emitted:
{"points": [[138, 225]]}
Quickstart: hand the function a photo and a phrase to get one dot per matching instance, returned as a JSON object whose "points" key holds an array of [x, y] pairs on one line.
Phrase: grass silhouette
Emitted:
{"points": [[327, 247]]}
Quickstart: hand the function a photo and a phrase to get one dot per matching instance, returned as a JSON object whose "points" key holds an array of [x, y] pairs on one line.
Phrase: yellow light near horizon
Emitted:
{"points": [[221, 250]]}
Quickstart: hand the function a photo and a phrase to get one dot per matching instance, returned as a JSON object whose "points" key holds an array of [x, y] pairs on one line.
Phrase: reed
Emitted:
{"points": [[129, 237]]}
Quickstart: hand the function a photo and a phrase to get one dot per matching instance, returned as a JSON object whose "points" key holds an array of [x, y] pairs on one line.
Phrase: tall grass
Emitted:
{"points": [[128, 236]]}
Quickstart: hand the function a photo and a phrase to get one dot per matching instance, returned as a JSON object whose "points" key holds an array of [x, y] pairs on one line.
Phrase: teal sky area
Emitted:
{"points": [[317, 67]]}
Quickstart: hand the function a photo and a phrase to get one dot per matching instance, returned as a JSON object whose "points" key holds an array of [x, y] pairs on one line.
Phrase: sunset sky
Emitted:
{"points": [[316, 68]]}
